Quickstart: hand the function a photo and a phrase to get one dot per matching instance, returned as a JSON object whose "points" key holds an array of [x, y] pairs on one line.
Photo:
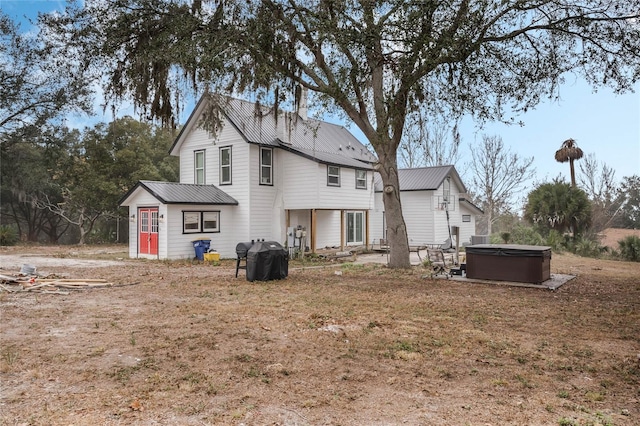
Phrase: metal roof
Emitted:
{"points": [[328, 157], [423, 178], [180, 193], [318, 140]]}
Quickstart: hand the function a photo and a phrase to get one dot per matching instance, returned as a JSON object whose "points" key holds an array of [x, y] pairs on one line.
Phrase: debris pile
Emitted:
{"points": [[29, 280]]}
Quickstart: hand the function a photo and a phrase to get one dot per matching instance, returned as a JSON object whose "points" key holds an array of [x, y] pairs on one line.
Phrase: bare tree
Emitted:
{"points": [[428, 144], [598, 182], [497, 175]]}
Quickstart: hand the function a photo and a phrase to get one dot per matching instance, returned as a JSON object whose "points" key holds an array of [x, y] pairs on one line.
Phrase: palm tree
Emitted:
{"points": [[570, 152]]}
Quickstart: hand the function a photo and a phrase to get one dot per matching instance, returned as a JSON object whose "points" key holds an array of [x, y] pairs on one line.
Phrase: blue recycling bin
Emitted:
{"points": [[201, 247]]}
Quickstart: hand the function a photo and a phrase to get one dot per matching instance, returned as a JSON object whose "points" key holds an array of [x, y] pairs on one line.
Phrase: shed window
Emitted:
{"points": [[198, 166], [266, 166], [210, 221], [466, 218], [333, 176], [195, 222], [191, 222], [225, 165], [361, 179]]}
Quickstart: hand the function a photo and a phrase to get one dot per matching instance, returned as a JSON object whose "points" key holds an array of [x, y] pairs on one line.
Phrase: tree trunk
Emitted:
{"points": [[573, 173], [396, 228]]}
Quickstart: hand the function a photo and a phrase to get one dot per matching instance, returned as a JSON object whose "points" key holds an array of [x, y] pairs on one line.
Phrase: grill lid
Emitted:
{"points": [[242, 248]]}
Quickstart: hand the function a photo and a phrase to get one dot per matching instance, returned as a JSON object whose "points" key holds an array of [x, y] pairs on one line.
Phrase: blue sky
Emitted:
{"points": [[602, 123]]}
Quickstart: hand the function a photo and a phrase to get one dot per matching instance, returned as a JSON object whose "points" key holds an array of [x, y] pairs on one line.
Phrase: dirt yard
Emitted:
{"points": [[178, 343]]}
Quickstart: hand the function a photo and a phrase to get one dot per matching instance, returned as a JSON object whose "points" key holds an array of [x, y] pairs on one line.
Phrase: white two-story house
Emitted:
{"points": [[262, 177], [258, 176]]}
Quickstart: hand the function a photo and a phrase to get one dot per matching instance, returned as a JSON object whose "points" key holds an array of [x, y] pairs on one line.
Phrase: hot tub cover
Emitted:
{"points": [[509, 250]]}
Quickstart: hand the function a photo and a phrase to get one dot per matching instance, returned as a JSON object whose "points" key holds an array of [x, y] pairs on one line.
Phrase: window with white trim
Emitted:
{"points": [[210, 221], [198, 167], [195, 222], [333, 175], [225, 165], [361, 179], [266, 166]]}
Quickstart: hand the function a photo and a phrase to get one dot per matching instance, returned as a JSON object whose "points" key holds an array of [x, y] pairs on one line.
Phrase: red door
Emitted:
{"points": [[148, 229]]}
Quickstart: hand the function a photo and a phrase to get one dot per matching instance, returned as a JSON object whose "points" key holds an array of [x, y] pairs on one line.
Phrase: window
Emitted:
{"points": [[266, 166], [355, 228], [198, 167], [210, 221], [225, 165], [361, 179], [466, 218], [191, 222], [197, 222], [333, 176]]}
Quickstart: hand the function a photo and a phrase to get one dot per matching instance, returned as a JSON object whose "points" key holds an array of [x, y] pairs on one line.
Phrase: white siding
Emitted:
{"points": [[327, 229], [197, 139], [345, 196], [425, 222], [299, 177], [267, 213], [305, 186], [467, 229], [419, 217], [180, 246], [235, 221], [376, 220]]}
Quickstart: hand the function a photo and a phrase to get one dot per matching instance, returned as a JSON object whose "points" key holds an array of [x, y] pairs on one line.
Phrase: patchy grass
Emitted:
{"points": [[191, 344]]}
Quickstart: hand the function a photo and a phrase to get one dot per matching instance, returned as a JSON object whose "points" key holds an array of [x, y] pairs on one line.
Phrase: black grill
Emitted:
{"points": [[241, 251]]}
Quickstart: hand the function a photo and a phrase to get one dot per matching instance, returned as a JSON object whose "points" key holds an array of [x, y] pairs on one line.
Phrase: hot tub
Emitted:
{"points": [[509, 262]]}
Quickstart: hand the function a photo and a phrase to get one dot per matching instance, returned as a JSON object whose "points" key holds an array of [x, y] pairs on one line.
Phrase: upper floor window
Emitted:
{"points": [[198, 166], [361, 179], [225, 165], [466, 218], [266, 166], [333, 176]]}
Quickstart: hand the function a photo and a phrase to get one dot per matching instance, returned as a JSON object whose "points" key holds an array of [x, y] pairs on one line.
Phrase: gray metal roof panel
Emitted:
{"points": [[419, 179], [329, 158], [180, 193], [258, 125]]}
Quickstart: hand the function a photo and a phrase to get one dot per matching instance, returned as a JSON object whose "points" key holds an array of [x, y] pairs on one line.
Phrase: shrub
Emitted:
{"points": [[587, 247], [8, 235], [630, 248], [526, 235], [555, 240]]}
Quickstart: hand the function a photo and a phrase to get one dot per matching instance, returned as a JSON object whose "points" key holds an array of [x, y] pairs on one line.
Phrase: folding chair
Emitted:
{"points": [[438, 263]]}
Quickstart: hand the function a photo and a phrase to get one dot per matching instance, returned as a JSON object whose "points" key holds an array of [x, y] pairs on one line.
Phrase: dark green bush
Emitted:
{"points": [[630, 248], [8, 235]]}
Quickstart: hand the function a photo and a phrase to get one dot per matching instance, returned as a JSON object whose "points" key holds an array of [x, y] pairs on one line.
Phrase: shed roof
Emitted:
{"points": [[180, 193]]}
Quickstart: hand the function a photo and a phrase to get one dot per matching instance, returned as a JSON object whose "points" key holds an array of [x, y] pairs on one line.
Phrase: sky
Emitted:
{"points": [[602, 123]]}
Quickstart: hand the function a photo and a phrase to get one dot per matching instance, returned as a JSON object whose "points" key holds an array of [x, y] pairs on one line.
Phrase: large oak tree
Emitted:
{"points": [[39, 82], [378, 62]]}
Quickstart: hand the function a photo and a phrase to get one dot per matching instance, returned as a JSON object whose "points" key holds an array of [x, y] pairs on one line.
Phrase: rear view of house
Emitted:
{"points": [[262, 175]]}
